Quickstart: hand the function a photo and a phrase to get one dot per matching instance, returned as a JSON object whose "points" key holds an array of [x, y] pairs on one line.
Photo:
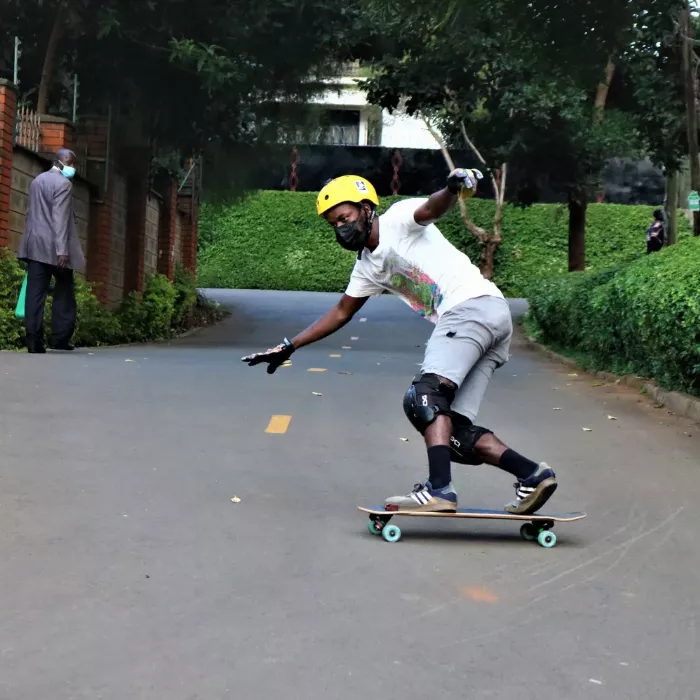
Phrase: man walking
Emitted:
{"points": [[51, 248]]}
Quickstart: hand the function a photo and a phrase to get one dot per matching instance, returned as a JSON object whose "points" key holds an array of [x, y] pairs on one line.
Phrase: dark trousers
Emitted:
{"points": [[64, 308], [654, 245]]}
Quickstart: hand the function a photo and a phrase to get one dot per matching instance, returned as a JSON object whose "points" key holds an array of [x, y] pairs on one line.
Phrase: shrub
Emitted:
{"points": [[641, 318], [11, 276], [274, 240], [161, 310]]}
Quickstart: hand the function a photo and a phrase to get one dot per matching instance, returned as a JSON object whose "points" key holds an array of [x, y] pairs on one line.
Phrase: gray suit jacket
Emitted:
{"points": [[50, 228]]}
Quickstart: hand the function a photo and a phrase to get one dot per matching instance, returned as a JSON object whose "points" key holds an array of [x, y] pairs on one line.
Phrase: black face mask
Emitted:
{"points": [[351, 237]]}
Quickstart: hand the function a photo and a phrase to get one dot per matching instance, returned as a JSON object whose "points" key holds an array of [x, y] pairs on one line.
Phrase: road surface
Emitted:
{"points": [[127, 570]]}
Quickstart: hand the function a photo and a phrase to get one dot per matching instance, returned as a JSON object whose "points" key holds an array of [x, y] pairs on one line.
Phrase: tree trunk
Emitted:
{"points": [[577, 232], [601, 95], [672, 207], [49, 60], [691, 107]]}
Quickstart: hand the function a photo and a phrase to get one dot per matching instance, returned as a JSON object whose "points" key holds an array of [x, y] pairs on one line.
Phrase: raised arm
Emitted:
{"points": [[442, 202]]}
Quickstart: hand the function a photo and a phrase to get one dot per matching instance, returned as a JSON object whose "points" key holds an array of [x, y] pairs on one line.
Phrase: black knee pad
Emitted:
{"points": [[465, 435], [427, 398]]}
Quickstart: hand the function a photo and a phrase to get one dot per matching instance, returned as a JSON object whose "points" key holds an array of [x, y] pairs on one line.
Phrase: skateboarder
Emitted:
{"points": [[403, 252]]}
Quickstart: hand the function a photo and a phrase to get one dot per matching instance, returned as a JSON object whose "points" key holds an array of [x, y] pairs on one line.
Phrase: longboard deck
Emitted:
{"points": [[478, 513]]}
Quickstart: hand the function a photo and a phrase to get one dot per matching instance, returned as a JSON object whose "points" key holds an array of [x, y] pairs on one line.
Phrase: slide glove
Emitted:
{"points": [[463, 182], [274, 356]]}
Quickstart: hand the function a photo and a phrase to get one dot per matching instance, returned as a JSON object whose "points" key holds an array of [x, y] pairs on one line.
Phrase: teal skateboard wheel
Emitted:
{"points": [[391, 533], [547, 539], [374, 526], [528, 532]]}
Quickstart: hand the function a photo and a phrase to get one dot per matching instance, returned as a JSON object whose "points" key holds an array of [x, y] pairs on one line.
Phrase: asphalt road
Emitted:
{"points": [[127, 571]]}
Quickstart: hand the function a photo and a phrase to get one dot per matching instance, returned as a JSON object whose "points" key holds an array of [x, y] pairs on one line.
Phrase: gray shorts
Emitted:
{"points": [[469, 343]]}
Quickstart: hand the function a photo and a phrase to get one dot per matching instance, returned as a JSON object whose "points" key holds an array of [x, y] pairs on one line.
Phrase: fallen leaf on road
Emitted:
{"points": [[556, 409], [354, 337], [128, 360], [347, 347], [235, 499], [379, 363], [612, 418], [91, 353], [286, 363], [316, 393], [573, 374], [403, 439], [598, 384], [587, 430], [362, 320], [344, 372]]}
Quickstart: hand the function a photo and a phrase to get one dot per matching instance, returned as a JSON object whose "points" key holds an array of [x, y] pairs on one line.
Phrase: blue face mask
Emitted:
{"points": [[67, 171]]}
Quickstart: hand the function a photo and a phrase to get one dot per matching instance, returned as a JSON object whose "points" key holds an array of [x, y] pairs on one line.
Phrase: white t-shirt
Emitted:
{"points": [[419, 265]]}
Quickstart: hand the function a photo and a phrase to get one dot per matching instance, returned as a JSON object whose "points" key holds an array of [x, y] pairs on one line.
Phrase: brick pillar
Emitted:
{"points": [[8, 108], [188, 201], [56, 132], [166, 231], [93, 131], [136, 161], [100, 234]]}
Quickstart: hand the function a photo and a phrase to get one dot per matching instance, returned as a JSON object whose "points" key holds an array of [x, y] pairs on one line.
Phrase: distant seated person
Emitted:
{"points": [[656, 233]]}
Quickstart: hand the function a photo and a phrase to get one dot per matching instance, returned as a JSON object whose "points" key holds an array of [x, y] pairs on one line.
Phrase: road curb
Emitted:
{"points": [[681, 404]]}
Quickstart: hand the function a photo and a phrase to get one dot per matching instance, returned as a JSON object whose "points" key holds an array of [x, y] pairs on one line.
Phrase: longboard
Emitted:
{"points": [[536, 528]]}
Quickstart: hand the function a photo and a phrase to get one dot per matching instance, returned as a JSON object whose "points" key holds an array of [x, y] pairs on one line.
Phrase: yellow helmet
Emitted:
{"points": [[348, 188]]}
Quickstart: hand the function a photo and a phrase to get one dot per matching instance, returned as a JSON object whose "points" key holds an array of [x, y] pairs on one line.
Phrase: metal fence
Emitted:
{"points": [[28, 128]]}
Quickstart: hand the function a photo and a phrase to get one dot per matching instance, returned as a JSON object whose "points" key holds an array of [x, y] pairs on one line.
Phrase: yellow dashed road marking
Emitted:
{"points": [[278, 425]]}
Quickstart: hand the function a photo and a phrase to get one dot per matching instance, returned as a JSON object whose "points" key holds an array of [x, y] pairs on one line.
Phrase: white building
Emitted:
{"points": [[348, 120]]}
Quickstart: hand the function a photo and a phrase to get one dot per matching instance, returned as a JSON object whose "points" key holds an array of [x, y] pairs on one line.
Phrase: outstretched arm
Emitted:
{"points": [[330, 322]]}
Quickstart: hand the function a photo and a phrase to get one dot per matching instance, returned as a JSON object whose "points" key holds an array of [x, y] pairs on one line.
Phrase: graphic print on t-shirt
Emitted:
{"points": [[420, 291]]}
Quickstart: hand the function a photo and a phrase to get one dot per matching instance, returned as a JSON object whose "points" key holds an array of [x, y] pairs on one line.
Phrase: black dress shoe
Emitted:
{"points": [[62, 346]]}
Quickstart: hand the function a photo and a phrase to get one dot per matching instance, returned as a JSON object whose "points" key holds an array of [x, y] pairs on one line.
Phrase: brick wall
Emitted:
{"points": [[150, 253], [177, 247], [8, 107], [117, 249], [56, 133]]}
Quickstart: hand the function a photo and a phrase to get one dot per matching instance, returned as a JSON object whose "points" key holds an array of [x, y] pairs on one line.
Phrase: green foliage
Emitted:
{"points": [[163, 309], [186, 290], [274, 240], [11, 276], [641, 318]]}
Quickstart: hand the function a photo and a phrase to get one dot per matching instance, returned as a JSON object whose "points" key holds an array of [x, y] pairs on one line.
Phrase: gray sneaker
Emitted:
{"points": [[532, 493], [425, 498]]}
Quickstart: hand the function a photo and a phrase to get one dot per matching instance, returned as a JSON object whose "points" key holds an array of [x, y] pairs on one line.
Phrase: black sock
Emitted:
{"points": [[517, 465], [439, 470]]}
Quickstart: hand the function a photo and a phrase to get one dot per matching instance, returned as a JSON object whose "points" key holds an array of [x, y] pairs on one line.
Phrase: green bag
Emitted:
{"points": [[19, 309]]}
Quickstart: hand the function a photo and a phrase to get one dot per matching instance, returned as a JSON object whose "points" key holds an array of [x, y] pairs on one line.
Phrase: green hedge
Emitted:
{"points": [[642, 318], [274, 240], [163, 309]]}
